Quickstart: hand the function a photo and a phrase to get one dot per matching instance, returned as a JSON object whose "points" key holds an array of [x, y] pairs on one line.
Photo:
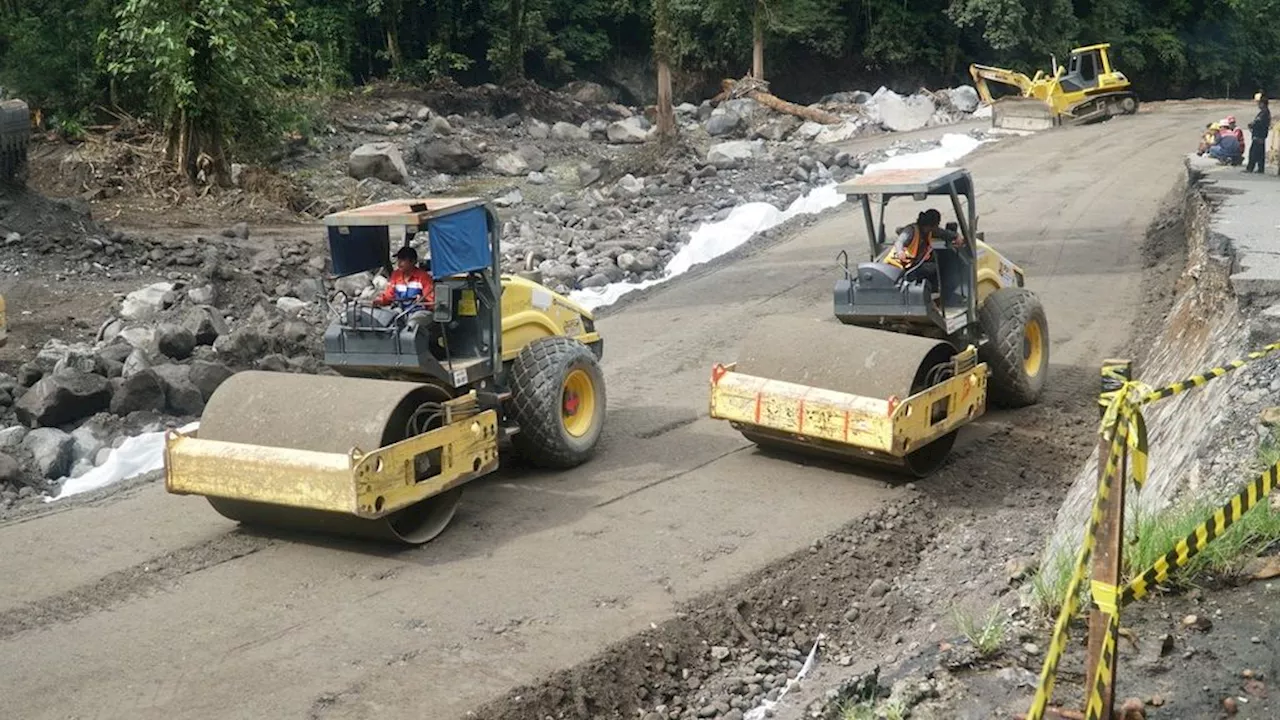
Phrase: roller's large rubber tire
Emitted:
{"points": [[1017, 347], [558, 400]]}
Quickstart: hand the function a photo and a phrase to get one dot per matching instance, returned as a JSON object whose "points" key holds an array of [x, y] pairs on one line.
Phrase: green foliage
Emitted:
{"points": [[245, 66], [986, 635]]}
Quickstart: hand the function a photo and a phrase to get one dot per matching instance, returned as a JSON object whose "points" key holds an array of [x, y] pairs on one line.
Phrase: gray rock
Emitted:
{"points": [[628, 186], [776, 128], [515, 197], [722, 122], [291, 305], [381, 160], [629, 131], [11, 437], [964, 98], [446, 156], [145, 303], [175, 341], [82, 359], [207, 376], [564, 131], [244, 344], [63, 397], [732, 154], [588, 173], [52, 451], [538, 130], [202, 295], [86, 441], [533, 157], [537, 178], [878, 588], [137, 361], [141, 338], [585, 91], [140, 391], [511, 165], [903, 114], [181, 397], [10, 470], [439, 126], [205, 323]]}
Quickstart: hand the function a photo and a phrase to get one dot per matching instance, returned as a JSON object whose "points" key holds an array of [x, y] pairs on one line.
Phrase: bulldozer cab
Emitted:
{"points": [[456, 342], [876, 293], [1085, 68]]}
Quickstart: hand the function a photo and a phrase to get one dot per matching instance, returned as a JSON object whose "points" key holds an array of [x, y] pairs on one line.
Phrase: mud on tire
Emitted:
{"points": [[1017, 347], [539, 376]]}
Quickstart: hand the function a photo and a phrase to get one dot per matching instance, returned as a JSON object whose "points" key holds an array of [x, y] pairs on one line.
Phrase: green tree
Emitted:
{"points": [[214, 71], [718, 32]]}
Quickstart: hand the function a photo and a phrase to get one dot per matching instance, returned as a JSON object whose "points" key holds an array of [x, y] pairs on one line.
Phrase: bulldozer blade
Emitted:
{"points": [[1020, 113]]}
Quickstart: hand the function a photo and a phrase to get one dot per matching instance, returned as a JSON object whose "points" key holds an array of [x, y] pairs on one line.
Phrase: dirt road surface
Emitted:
{"points": [[146, 605]]}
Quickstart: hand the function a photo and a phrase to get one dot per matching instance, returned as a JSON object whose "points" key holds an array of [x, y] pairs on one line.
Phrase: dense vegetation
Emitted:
{"points": [[210, 70]]}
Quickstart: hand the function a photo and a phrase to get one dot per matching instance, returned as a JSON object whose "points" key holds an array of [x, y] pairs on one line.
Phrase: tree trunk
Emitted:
{"points": [[666, 113], [662, 56], [393, 48], [195, 148], [757, 41]]}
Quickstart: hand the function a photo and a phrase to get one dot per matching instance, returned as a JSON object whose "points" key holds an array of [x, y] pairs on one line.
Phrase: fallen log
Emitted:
{"points": [[758, 90]]}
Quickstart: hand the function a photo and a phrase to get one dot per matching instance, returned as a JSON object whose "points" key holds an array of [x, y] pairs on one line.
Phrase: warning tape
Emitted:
{"points": [[1206, 532], [1123, 421]]}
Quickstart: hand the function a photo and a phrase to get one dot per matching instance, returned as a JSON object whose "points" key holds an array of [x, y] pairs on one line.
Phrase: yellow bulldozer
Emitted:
{"points": [[424, 395], [1088, 89], [909, 357]]}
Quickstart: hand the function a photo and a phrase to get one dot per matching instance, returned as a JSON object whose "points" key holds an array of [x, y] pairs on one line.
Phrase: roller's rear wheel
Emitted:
{"points": [[558, 400], [1017, 347]]}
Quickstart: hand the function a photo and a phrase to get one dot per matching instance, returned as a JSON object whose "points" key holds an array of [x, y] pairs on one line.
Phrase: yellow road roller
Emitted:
{"points": [[913, 351], [424, 392]]}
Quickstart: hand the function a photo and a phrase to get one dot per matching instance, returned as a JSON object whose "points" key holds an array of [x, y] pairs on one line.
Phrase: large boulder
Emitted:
{"points": [[446, 156], [964, 98], [141, 391], [566, 132], [11, 437], [207, 376], [511, 164], [175, 341], [205, 323], [52, 450], [242, 345], [381, 160], [181, 397], [146, 303], [732, 154], [86, 441], [722, 122], [64, 397], [631, 130], [903, 114], [10, 470]]}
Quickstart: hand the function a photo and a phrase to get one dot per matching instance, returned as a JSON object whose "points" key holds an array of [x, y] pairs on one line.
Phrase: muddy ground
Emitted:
{"points": [[727, 562]]}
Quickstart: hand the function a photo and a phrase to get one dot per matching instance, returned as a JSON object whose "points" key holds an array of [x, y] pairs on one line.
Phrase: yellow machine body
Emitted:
{"points": [[1088, 89], [884, 429], [531, 311]]}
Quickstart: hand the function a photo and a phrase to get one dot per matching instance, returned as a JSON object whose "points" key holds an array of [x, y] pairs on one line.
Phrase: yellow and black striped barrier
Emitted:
{"points": [[1125, 428]]}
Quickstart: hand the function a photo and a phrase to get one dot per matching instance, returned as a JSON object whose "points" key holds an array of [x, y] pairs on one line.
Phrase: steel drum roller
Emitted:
{"points": [[324, 414]]}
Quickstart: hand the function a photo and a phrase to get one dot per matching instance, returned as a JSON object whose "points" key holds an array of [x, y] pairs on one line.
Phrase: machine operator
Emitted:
{"points": [[409, 284], [913, 246]]}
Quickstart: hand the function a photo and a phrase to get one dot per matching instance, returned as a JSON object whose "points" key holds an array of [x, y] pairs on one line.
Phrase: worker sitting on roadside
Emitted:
{"points": [[913, 247], [1227, 149], [409, 285]]}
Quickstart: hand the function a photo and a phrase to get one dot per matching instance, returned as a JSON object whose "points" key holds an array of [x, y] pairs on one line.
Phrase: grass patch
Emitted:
{"points": [[1154, 535], [1049, 586], [986, 636]]}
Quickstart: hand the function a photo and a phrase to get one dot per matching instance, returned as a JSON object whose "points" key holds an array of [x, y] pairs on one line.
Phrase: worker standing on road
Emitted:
{"points": [[409, 284], [1258, 132]]}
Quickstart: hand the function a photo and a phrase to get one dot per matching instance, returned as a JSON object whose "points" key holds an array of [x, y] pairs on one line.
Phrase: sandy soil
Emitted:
{"points": [[148, 605]]}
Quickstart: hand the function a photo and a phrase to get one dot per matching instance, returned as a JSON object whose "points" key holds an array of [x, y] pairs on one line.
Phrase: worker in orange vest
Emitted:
{"points": [[913, 247]]}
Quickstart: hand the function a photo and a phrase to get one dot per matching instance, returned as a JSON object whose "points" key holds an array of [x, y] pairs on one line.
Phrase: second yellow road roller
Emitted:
{"points": [[425, 389], [916, 347]]}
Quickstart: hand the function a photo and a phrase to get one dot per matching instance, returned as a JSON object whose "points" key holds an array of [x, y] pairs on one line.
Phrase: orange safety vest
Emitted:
{"points": [[912, 250]]}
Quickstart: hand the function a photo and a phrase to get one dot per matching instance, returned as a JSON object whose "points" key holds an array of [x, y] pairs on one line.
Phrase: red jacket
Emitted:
{"points": [[404, 287]]}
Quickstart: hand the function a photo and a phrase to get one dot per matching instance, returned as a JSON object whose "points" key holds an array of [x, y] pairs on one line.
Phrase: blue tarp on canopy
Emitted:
{"points": [[459, 242]]}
